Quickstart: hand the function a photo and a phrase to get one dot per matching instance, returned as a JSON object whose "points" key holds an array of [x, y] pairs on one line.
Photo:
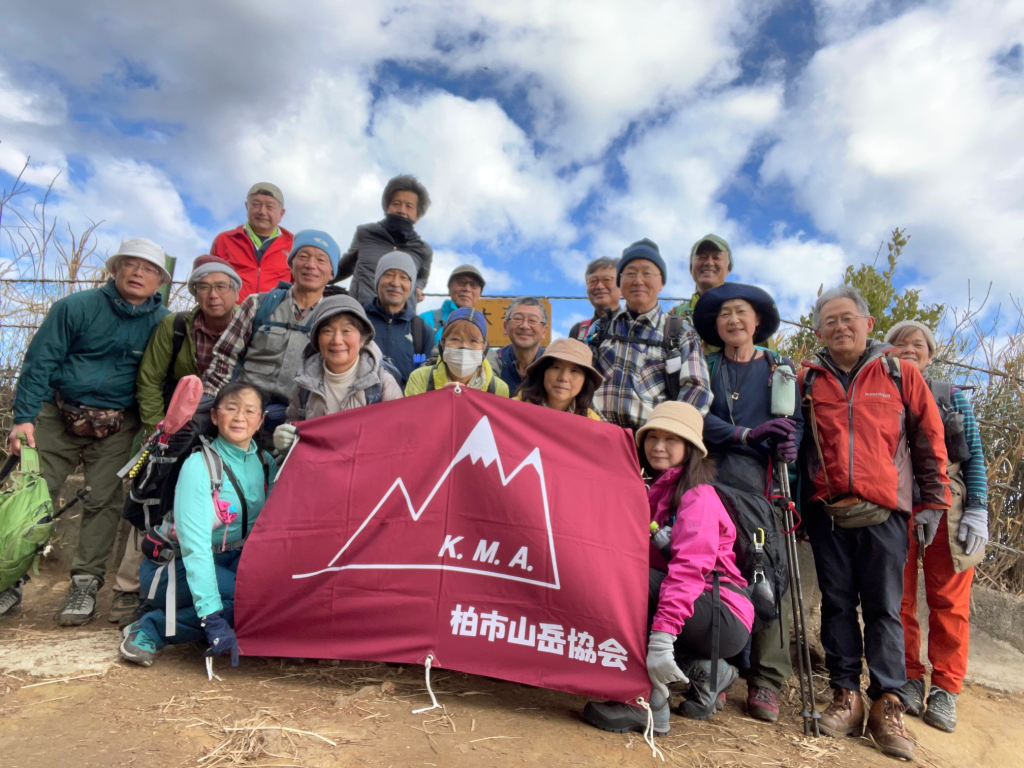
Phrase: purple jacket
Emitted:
{"points": [[702, 541]]}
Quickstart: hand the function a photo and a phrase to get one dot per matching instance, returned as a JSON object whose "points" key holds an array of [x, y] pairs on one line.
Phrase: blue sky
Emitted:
{"points": [[803, 131]]}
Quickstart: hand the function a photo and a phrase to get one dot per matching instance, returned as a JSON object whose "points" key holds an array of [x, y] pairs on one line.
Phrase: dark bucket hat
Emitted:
{"points": [[705, 314]]}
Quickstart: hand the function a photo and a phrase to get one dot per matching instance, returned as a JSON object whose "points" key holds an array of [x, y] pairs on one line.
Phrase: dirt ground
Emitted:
{"points": [[279, 712]]}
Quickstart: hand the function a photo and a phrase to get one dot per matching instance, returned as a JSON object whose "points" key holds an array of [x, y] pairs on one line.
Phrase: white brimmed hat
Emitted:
{"points": [[141, 248]]}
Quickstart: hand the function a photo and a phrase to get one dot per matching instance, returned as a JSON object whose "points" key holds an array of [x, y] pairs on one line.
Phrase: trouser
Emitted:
{"points": [[948, 594], [694, 639], [770, 662], [60, 453], [128, 572], [189, 629], [861, 566]]}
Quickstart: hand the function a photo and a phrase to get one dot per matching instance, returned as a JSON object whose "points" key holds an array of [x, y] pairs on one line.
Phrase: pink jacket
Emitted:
{"points": [[702, 541]]}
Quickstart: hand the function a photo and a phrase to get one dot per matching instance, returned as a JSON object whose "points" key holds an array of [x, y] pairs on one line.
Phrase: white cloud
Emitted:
{"points": [[909, 123]]}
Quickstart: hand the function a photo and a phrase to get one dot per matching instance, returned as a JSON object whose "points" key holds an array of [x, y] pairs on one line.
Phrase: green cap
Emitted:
{"points": [[716, 241]]}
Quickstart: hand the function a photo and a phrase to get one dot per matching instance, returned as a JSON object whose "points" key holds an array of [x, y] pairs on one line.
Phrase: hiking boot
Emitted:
{"points": [[887, 730], [616, 717], [10, 599], [123, 604], [137, 647], [762, 703], [844, 716], [80, 606], [914, 691], [700, 702], [941, 712]]}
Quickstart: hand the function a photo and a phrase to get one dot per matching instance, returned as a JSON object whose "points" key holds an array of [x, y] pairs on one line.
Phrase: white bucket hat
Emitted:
{"points": [[141, 248]]}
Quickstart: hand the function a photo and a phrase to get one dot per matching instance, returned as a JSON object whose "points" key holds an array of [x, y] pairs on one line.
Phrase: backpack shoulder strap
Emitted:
{"points": [[303, 400], [942, 391], [673, 338], [422, 336], [374, 393], [430, 378], [269, 302], [712, 360], [892, 365], [493, 386], [438, 319], [177, 341], [241, 496]]}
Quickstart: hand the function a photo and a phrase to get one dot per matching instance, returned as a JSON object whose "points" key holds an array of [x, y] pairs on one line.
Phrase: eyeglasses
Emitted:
{"points": [[632, 274], [456, 342], [593, 281], [835, 322], [533, 322], [466, 282], [251, 414], [132, 265], [710, 256], [216, 287]]}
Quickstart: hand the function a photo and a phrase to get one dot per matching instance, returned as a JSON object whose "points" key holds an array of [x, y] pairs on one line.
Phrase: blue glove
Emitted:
{"points": [[778, 429], [220, 636], [973, 531]]}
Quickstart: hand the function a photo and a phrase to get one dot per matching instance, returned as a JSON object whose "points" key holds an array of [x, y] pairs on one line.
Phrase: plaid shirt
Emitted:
{"points": [[204, 342], [233, 341], [634, 374]]}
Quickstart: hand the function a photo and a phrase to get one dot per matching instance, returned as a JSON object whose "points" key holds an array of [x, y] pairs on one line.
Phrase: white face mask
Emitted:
{"points": [[463, 362]]}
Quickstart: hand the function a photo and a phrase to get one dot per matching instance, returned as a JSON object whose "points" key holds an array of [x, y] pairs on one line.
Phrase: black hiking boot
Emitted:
{"points": [[701, 702], [941, 712], [914, 691]]}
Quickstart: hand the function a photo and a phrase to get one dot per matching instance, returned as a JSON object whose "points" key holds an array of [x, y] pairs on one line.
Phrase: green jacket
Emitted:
{"points": [[153, 370], [88, 348]]}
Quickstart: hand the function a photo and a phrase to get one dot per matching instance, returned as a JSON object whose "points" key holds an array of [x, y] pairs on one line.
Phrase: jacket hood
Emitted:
{"points": [[311, 370], [125, 308]]}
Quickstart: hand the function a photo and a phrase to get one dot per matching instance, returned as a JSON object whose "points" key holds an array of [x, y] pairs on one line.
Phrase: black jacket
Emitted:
{"points": [[371, 241]]}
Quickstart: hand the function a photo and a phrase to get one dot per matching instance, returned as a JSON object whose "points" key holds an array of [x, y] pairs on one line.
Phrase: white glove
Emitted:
{"points": [[973, 532], [661, 662], [928, 519], [284, 437]]}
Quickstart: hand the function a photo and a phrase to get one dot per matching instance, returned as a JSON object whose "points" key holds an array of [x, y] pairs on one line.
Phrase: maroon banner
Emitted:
{"points": [[501, 538]]}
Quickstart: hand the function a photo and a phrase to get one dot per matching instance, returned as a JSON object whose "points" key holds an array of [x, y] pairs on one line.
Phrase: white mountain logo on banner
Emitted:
{"points": [[479, 446]]}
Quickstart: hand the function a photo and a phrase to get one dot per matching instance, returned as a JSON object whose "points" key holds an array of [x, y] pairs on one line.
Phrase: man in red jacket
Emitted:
{"points": [[258, 250], [875, 430]]}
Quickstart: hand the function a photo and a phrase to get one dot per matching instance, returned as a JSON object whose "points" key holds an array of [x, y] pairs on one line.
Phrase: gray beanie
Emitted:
{"points": [[929, 337], [332, 306], [395, 260]]}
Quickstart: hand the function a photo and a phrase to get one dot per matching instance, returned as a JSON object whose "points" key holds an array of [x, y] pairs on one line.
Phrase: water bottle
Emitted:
{"points": [[783, 390]]}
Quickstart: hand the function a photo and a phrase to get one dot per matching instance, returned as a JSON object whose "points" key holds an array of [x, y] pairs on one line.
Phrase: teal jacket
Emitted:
{"points": [[88, 348], [429, 316], [194, 516]]}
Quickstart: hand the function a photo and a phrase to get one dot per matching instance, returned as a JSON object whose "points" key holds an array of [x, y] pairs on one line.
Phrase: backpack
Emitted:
{"points": [[952, 422], [671, 342], [177, 341], [760, 552], [26, 516], [584, 329]]}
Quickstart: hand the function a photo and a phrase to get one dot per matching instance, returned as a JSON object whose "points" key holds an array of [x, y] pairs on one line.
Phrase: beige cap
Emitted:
{"points": [[141, 248], [571, 351], [266, 188], [929, 337], [678, 418]]}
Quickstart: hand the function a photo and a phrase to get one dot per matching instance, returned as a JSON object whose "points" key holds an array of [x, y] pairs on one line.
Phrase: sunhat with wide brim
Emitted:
{"points": [[143, 249], [678, 418], [705, 314], [571, 351]]}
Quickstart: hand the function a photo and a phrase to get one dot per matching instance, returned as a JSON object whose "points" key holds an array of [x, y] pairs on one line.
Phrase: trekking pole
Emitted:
{"points": [[81, 494], [809, 707]]}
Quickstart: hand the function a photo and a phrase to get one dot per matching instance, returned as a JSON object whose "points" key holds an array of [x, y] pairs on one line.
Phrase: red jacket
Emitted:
{"points": [[873, 443], [236, 248]]}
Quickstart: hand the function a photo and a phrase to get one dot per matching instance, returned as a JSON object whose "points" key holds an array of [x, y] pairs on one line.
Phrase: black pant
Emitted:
{"points": [[861, 566], [694, 639]]}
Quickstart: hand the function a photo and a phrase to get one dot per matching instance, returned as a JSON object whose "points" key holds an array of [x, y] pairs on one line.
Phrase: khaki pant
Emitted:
{"points": [[128, 572], [60, 453], [770, 662]]}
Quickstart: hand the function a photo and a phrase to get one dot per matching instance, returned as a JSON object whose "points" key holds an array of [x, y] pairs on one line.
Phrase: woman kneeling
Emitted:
{"points": [[209, 535], [681, 601]]}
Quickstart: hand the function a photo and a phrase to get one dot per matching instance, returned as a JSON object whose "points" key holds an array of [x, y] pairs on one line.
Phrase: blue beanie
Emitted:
{"points": [[318, 239], [474, 316], [642, 249]]}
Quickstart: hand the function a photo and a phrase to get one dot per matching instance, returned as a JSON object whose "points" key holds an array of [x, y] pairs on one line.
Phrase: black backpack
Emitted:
{"points": [[672, 342], [952, 422], [760, 552]]}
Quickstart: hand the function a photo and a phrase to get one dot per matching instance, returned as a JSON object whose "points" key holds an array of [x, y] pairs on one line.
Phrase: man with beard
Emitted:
{"points": [[405, 201]]}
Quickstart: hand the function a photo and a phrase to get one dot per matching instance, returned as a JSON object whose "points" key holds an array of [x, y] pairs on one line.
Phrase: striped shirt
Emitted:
{"points": [[634, 373], [975, 476]]}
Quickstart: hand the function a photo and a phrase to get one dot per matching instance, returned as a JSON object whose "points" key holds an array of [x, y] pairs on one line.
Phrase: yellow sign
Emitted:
{"points": [[494, 311]]}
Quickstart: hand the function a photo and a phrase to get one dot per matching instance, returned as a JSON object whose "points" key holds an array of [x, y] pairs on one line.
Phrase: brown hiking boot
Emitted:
{"points": [[886, 728], [844, 716]]}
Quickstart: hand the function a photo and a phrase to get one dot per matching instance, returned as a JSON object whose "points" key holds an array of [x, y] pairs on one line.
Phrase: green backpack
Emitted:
{"points": [[26, 516]]}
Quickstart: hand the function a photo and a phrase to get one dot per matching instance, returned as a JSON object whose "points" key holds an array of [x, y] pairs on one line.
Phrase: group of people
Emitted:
{"points": [[893, 470]]}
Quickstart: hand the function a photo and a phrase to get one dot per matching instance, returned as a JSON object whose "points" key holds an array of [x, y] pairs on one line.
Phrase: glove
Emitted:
{"points": [[661, 662], [928, 520], [973, 530], [220, 636], [284, 437], [786, 450], [775, 428]]}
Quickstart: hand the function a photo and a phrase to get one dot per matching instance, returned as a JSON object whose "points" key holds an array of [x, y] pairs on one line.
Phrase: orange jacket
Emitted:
{"points": [[237, 249], [874, 444]]}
